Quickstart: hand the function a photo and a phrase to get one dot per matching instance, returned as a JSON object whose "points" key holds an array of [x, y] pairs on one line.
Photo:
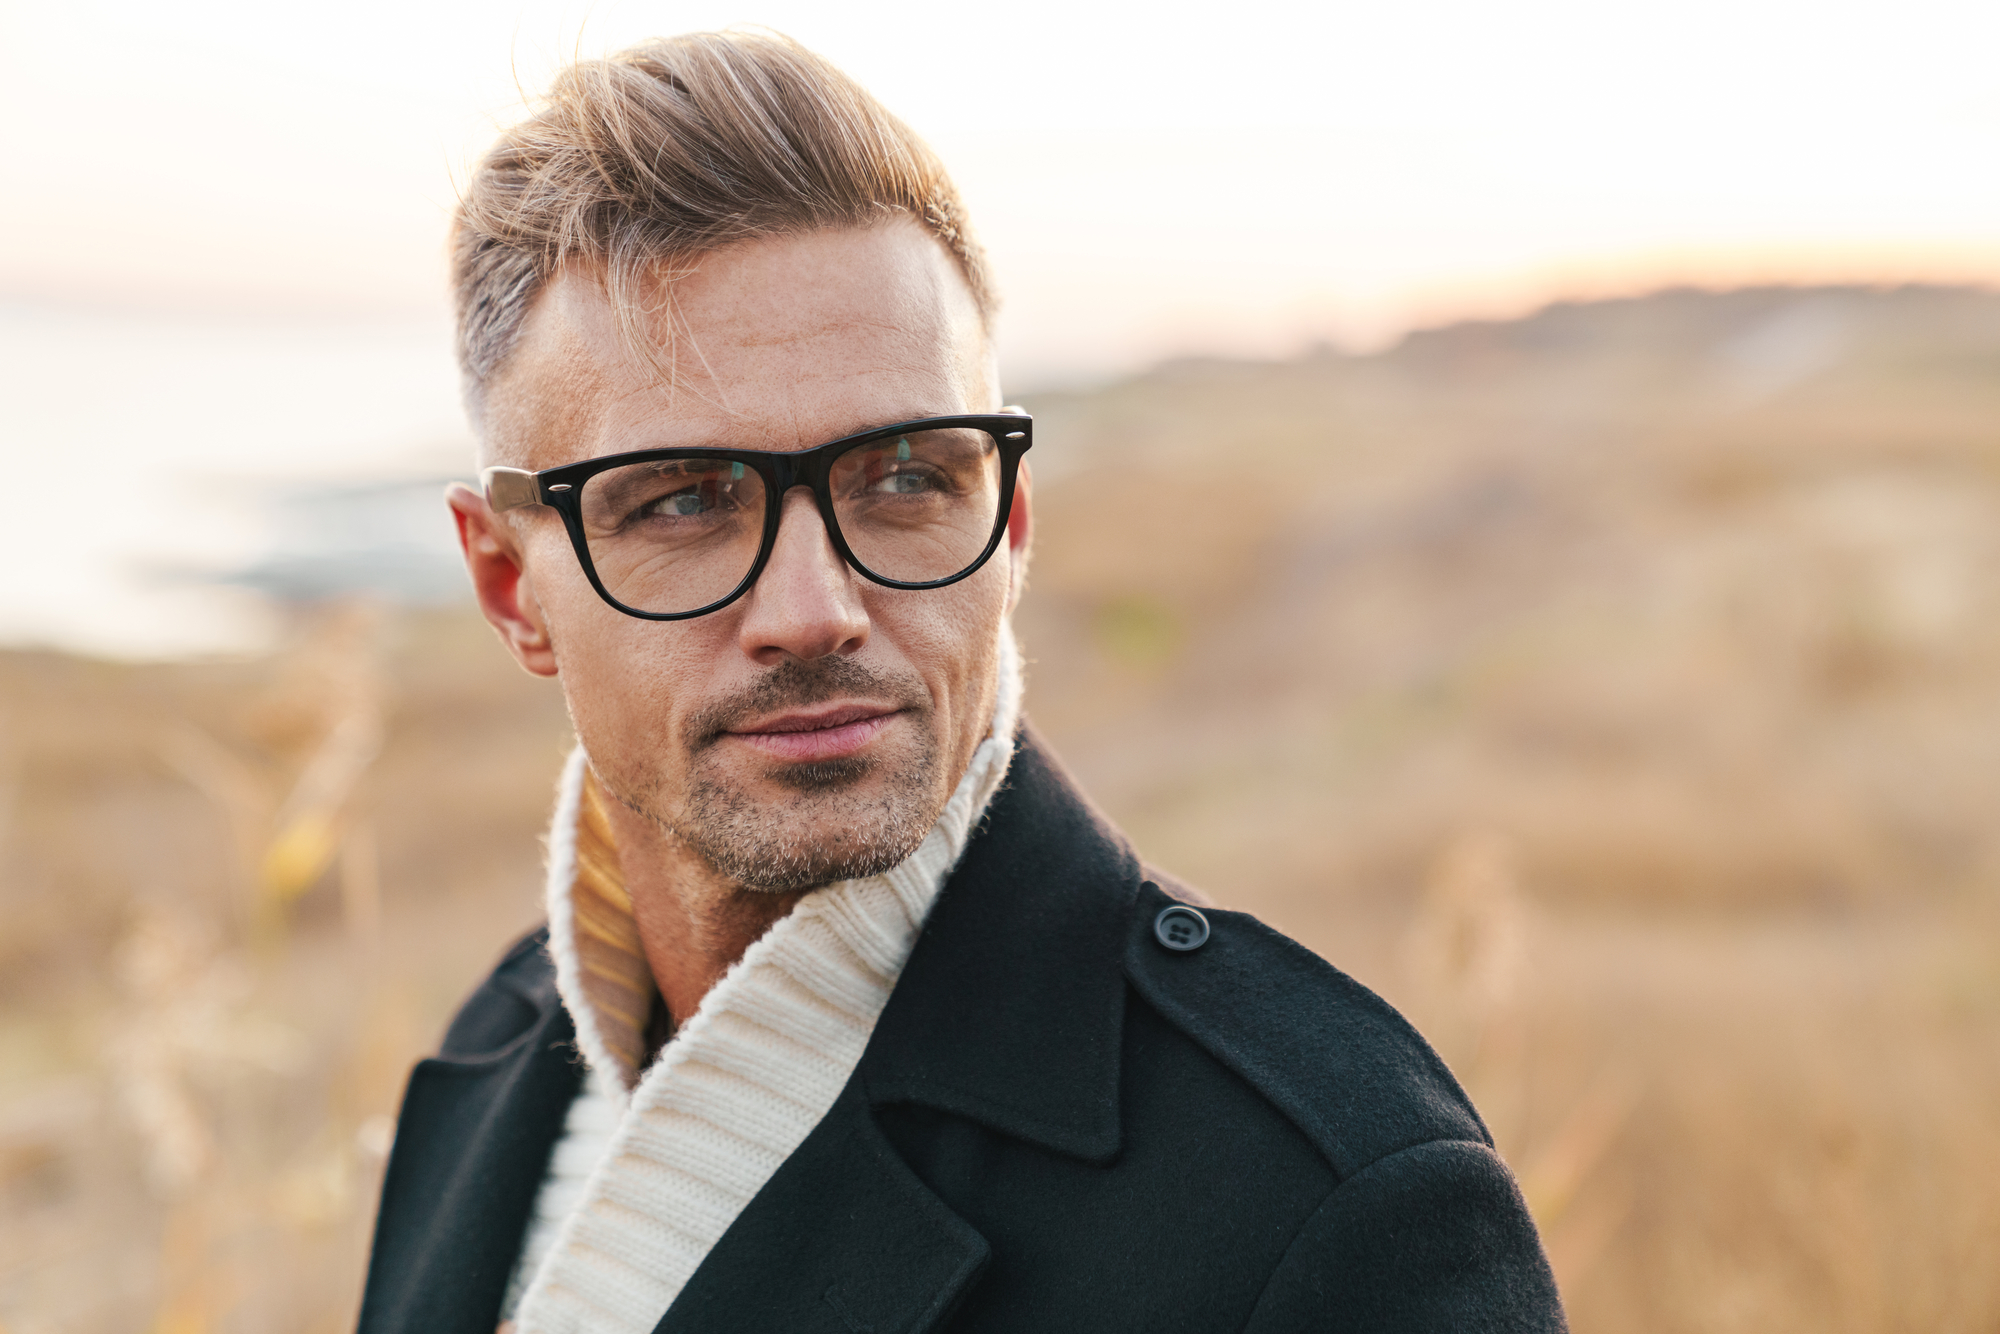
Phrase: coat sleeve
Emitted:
{"points": [[1434, 1238]]}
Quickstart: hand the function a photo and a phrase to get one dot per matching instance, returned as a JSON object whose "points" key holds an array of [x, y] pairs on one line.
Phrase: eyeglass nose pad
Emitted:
{"points": [[820, 513]]}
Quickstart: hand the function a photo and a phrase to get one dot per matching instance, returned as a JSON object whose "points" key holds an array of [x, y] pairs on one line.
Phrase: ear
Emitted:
{"points": [[1020, 532], [500, 580]]}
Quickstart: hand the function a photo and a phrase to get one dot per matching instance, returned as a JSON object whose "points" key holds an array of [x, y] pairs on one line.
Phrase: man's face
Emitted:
{"points": [[813, 729]]}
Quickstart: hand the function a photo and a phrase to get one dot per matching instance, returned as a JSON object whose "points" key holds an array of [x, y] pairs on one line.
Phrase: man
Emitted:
{"points": [[850, 1013]]}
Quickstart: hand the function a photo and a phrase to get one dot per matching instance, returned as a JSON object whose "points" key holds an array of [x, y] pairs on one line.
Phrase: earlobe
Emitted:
{"points": [[500, 581]]}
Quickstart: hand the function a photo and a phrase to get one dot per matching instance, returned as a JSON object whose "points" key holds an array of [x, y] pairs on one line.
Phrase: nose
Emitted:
{"points": [[807, 602]]}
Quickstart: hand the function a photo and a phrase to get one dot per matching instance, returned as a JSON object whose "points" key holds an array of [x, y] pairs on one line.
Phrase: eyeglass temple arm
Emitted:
{"points": [[510, 488]]}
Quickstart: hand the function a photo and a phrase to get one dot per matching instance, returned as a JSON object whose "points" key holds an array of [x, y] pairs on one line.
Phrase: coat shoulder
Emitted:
{"points": [[1331, 1056], [519, 990]]}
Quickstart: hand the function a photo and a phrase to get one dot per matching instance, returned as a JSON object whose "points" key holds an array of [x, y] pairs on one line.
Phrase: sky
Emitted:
{"points": [[221, 259]]}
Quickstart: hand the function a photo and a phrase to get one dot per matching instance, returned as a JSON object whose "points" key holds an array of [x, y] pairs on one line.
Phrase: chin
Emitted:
{"points": [[825, 776], [801, 826]]}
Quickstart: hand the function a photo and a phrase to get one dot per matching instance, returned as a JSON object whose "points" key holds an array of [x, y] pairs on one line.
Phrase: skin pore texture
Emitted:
{"points": [[812, 730]]}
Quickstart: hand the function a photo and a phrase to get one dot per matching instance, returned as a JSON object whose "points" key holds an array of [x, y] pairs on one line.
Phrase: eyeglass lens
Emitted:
{"points": [[675, 535]]}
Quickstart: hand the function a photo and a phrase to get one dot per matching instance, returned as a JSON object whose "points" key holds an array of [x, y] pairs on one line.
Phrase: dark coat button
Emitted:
{"points": [[1180, 928]]}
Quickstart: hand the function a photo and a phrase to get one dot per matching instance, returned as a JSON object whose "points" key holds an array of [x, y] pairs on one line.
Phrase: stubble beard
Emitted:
{"points": [[838, 824]]}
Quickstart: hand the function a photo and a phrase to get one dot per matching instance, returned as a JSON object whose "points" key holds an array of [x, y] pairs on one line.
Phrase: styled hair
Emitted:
{"points": [[675, 147]]}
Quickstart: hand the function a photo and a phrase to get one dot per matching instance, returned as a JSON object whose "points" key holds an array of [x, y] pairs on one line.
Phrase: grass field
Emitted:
{"points": [[1616, 690]]}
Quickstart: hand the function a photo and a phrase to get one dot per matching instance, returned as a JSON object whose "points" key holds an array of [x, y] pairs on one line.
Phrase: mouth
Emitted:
{"points": [[813, 736]]}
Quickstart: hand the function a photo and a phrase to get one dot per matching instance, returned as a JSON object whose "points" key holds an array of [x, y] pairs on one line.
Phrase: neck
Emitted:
{"points": [[693, 922]]}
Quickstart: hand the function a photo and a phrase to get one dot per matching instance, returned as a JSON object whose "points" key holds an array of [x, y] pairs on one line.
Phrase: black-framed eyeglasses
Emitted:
{"points": [[667, 534]]}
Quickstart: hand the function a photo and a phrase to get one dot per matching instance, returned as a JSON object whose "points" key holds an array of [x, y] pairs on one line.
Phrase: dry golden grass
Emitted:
{"points": [[199, 1052], [1617, 691]]}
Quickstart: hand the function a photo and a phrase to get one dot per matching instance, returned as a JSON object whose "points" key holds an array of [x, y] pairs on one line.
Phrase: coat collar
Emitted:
{"points": [[843, 1237], [1010, 1009], [471, 1144]]}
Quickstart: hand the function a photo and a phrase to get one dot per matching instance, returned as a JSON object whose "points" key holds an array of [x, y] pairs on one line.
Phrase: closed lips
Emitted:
{"points": [[826, 735]]}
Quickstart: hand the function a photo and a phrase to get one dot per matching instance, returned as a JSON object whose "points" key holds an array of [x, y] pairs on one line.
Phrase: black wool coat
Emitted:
{"points": [[1059, 1124]]}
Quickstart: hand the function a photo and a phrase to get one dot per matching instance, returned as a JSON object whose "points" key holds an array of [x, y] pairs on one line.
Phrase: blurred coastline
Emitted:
{"points": [[1617, 690]]}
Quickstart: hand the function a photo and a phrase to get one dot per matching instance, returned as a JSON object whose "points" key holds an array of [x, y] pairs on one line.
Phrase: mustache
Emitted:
{"points": [[793, 683]]}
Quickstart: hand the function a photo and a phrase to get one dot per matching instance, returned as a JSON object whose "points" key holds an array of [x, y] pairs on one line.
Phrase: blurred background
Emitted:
{"points": [[1610, 675]]}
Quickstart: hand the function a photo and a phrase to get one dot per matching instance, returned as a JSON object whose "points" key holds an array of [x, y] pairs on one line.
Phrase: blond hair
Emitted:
{"points": [[675, 147]]}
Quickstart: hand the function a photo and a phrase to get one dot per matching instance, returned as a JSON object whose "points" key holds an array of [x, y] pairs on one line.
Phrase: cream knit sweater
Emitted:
{"points": [[652, 1169]]}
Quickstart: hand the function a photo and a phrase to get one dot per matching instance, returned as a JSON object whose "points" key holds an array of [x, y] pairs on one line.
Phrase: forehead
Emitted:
{"points": [[778, 343]]}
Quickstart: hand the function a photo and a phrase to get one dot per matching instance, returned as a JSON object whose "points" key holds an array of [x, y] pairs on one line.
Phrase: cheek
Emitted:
{"points": [[618, 672], [948, 637], [946, 623], [630, 686]]}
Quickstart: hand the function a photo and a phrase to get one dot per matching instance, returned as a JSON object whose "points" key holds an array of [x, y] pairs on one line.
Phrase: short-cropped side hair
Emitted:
{"points": [[672, 148]]}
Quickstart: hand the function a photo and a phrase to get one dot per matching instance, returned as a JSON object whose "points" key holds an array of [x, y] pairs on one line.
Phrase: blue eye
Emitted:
{"points": [[680, 504]]}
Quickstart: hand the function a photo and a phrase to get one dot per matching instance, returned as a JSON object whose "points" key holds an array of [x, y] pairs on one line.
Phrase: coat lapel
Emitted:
{"points": [[471, 1145], [1011, 1008], [843, 1239]]}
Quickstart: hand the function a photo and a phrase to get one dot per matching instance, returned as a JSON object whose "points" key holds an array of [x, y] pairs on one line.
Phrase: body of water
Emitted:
{"points": [[170, 472]]}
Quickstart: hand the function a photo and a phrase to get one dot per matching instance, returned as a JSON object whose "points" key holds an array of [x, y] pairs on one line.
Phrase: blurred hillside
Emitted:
{"points": [[1694, 594], [1614, 689]]}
